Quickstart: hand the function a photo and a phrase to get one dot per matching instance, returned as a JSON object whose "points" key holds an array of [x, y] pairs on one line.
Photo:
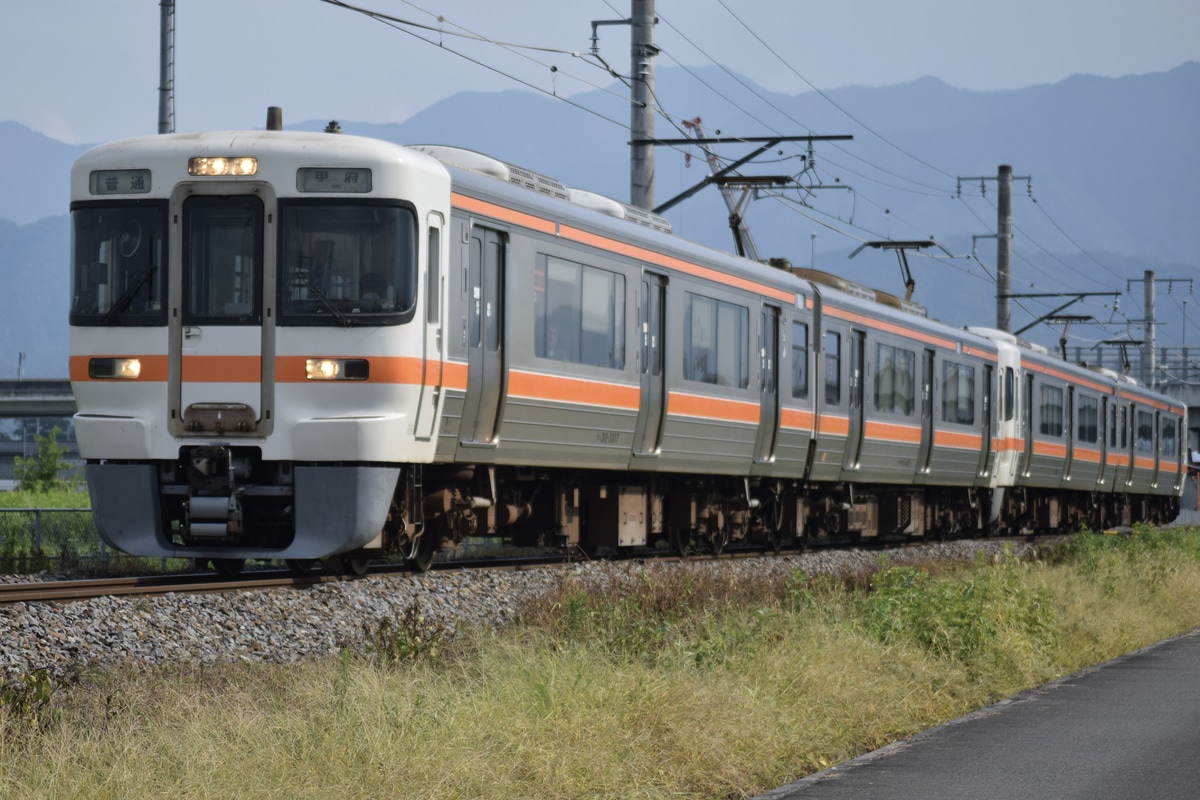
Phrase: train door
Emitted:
{"points": [[1069, 430], [1156, 444], [1129, 443], [647, 434], [925, 451], [485, 337], [855, 348], [221, 367], [432, 356], [1105, 476], [768, 387], [1027, 426], [985, 452]]}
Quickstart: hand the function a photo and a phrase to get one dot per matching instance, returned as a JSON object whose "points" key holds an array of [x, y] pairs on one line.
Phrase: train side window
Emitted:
{"points": [[1088, 421], [1051, 411], [799, 360], [895, 377], [1112, 425], [434, 260], [1010, 394], [716, 342], [1145, 432], [958, 393], [579, 314], [1167, 440], [833, 368]]}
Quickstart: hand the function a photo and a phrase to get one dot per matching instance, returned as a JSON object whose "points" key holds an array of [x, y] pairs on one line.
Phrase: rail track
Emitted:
{"points": [[268, 578]]}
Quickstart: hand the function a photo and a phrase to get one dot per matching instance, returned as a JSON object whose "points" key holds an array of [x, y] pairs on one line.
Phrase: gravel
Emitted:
{"points": [[285, 625]]}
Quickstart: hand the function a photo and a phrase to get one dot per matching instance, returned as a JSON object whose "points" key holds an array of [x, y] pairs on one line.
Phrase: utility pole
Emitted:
{"points": [[1004, 181], [166, 68], [641, 124], [1004, 249], [1149, 368]]}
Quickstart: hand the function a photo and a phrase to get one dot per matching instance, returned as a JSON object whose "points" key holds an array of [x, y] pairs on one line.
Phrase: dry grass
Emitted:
{"points": [[671, 686]]}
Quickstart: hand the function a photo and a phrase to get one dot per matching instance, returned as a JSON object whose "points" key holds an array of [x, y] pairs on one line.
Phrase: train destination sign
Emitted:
{"points": [[356, 180], [120, 181]]}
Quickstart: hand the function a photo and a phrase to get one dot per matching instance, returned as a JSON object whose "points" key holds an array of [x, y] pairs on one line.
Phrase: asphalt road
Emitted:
{"points": [[1129, 728]]}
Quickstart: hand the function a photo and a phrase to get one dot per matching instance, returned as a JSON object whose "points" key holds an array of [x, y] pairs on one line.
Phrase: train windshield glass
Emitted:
{"points": [[118, 256], [346, 263]]}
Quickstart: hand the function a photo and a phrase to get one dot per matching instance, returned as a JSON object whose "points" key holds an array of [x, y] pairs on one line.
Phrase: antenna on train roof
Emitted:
{"points": [[274, 118], [333, 127]]}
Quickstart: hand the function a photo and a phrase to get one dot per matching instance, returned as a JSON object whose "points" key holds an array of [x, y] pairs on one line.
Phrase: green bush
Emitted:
{"points": [[962, 616], [40, 472]]}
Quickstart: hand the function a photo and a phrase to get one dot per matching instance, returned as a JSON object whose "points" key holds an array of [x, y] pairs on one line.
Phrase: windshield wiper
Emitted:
{"points": [[342, 318], [125, 299]]}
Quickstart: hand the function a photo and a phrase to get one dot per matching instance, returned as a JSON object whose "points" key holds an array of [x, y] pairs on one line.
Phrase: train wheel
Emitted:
{"points": [[420, 552], [228, 567], [717, 539], [681, 541], [357, 565], [773, 519]]}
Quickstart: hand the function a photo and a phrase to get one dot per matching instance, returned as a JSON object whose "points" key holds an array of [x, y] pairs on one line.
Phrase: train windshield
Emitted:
{"points": [[118, 256], [346, 263]]}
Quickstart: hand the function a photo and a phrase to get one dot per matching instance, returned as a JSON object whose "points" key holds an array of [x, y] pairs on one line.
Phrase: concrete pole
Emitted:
{"points": [[1148, 317], [1004, 182], [641, 123], [166, 68]]}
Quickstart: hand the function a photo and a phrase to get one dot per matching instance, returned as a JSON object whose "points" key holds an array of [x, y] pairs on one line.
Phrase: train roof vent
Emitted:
{"points": [[841, 284], [647, 219], [1105, 371], [615, 208], [900, 303], [466, 159], [995, 334], [537, 182]]}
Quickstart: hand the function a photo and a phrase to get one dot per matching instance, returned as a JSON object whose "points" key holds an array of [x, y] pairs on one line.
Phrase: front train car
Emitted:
{"points": [[254, 347]]}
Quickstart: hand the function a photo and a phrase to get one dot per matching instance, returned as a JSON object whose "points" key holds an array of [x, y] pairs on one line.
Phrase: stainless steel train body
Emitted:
{"points": [[289, 345]]}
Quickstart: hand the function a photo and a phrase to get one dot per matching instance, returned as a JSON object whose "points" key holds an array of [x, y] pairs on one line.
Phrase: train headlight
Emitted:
{"points": [[114, 368], [336, 369], [217, 167]]}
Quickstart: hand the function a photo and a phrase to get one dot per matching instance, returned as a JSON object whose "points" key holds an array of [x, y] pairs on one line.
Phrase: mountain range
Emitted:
{"points": [[1104, 191]]}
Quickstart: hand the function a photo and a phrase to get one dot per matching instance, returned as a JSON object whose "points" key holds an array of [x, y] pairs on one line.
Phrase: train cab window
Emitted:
{"points": [[1144, 440], [579, 314], [716, 342], [895, 377], [118, 257], [799, 360], [1051, 411], [1088, 420], [346, 263], [958, 393], [222, 260], [833, 368]]}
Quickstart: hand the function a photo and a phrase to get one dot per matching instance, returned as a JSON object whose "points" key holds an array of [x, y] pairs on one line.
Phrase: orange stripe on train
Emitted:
{"points": [[563, 389]]}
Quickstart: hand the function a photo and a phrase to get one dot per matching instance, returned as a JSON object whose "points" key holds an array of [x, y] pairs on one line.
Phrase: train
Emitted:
{"points": [[307, 346]]}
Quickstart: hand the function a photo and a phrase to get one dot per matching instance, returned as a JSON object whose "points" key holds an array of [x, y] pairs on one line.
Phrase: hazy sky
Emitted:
{"points": [[84, 71]]}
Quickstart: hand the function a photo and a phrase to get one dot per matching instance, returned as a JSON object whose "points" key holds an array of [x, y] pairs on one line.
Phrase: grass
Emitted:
{"points": [[667, 684]]}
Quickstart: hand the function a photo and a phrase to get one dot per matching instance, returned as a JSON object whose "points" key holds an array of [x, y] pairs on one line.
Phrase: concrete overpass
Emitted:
{"points": [[39, 397]]}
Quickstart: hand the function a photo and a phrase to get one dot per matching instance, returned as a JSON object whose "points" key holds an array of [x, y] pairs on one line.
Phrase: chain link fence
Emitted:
{"points": [[65, 541]]}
